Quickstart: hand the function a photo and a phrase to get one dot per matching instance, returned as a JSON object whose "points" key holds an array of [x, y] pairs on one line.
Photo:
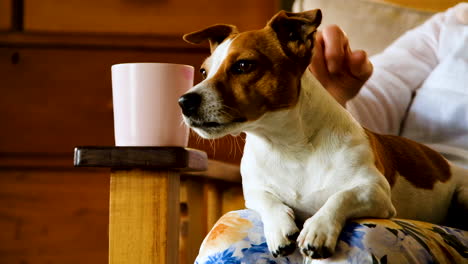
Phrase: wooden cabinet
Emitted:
{"points": [[6, 12], [53, 216], [56, 98], [143, 16]]}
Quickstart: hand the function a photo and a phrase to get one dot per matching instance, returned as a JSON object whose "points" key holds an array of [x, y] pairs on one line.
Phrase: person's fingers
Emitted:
{"points": [[359, 65], [341, 71], [318, 64], [335, 42]]}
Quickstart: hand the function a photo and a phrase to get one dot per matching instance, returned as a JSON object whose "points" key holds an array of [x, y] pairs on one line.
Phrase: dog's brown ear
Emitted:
{"points": [[214, 34], [296, 31]]}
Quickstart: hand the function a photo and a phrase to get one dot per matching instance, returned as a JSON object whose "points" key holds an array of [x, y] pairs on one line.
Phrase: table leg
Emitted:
{"points": [[144, 217], [213, 203]]}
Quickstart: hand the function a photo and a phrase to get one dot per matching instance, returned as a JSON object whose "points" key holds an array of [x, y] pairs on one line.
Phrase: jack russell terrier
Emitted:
{"points": [[305, 157]]}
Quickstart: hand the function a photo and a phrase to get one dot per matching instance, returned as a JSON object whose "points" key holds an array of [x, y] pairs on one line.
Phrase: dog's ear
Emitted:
{"points": [[214, 34], [296, 31]]}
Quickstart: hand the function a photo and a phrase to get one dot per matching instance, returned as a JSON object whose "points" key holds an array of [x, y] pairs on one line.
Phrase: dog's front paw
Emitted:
{"points": [[287, 248], [318, 237], [281, 233]]}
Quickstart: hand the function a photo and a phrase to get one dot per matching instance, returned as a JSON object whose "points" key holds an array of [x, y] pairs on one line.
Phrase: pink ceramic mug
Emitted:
{"points": [[145, 99]]}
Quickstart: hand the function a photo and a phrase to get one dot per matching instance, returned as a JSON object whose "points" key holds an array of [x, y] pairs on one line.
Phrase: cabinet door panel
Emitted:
{"points": [[54, 216], [55, 99], [6, 11], [144, 16]]}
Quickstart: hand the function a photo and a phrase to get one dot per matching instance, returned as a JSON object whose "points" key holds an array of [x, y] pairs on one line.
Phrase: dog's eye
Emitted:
{"points": [[243, 66], [203, 73], [294, 36]]}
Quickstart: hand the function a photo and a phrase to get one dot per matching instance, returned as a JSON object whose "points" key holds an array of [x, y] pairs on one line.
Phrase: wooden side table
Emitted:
{"points": [[144, 198]]}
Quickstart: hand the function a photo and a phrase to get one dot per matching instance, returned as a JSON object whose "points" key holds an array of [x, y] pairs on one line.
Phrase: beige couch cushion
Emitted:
{"points": [[370, 25]]}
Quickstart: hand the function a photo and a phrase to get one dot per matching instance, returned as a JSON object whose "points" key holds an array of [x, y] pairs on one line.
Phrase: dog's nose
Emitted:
{"points": [[190, 103]]}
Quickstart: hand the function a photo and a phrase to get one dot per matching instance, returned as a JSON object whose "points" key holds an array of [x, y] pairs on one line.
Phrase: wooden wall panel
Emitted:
{"points": [[5, 14], [143, 16], [54, 99], [54, 216]]}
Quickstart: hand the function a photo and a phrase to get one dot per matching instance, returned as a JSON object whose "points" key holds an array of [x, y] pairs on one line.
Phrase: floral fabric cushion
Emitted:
{"points": [[238, 238]]}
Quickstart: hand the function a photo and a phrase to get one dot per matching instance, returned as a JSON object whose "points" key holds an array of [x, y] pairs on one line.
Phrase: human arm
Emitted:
{"points": [[382, 103]]}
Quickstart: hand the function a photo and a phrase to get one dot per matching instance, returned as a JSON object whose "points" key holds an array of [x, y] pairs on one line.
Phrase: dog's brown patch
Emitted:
{"points": [[266, 88], [418, 164], [281, 52]]}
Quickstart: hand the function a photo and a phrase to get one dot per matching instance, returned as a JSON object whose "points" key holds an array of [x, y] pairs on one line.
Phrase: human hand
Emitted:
{"points": [[341, 71]]}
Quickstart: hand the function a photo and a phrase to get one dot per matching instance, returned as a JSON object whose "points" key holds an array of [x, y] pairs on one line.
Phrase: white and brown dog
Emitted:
{"points": [[305, 157]]}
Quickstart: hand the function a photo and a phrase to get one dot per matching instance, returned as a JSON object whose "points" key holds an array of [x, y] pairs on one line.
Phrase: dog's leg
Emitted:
{"points": [[320, 233], [278, 221]]}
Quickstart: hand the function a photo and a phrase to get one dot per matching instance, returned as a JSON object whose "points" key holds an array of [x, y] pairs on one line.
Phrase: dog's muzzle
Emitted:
{"points": [[190, 103], [207, 116]]}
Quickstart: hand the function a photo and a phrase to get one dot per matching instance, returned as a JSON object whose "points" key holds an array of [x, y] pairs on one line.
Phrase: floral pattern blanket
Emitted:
{"points": [[238, 238]]}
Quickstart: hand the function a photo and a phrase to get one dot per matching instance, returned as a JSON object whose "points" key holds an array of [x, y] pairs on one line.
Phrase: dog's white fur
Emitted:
{"points": [[295, 165], [314, 163]]}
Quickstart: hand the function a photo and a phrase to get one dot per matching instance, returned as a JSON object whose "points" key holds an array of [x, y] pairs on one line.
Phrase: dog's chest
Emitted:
{"points": [[288, 180], [303, 182]]}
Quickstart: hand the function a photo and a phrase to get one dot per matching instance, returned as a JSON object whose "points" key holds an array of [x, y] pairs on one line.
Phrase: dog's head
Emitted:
{"points": [[249, 74]]}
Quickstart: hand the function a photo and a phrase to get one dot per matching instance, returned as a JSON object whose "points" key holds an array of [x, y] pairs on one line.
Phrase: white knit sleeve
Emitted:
{"points": [[398, 71]]}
